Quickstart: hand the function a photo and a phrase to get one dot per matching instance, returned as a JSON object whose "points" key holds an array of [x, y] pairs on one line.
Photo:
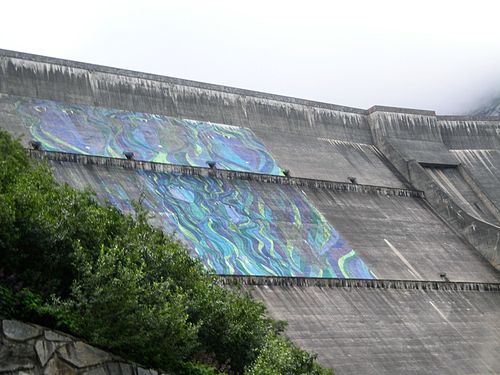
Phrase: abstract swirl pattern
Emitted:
{"points": [[239, 227], [110, 132]]}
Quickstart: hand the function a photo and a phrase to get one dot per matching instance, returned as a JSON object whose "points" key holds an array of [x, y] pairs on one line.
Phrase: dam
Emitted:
{"points": [[374, 232]]}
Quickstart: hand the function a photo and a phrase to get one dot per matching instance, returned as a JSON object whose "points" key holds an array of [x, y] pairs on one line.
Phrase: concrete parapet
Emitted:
{"points": [[93, 68], [413, 111], [475, 133], [468, 118], [404, 124]]}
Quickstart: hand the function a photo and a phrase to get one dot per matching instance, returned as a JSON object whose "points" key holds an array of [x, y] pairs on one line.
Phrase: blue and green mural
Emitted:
{"points": [[110, 132], [241, 227]]}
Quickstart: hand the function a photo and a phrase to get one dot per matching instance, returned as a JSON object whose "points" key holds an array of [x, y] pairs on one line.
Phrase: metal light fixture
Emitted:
{"points": [[129, 155], [36, 145]]}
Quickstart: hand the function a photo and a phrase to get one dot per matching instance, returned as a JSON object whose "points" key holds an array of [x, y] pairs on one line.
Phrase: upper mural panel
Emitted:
{"points": [[110, 132]]}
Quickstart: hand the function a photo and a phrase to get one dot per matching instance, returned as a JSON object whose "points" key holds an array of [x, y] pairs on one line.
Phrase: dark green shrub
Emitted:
{"points": [[280, 356], [117, 305], [196, 368]]}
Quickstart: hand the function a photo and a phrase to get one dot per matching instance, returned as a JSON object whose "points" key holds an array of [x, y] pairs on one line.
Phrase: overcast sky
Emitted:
{"points": [[441, 54]]}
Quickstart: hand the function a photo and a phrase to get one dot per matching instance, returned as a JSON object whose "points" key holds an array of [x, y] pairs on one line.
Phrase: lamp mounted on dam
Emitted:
{"points": [[36, 145], [443, 276], [129, 155], [212, 164]]}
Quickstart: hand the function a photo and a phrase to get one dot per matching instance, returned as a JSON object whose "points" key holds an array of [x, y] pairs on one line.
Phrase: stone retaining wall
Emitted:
{"points": [[32, 349]]}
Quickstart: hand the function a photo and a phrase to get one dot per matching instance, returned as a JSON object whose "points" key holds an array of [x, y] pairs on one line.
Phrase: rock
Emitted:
{"points": [[45, 350], [141, 371], [18, 331], [16, 366], [82, 355], [54, 336], [16, 357], [95, 371], [120, 369], [56, 366]]}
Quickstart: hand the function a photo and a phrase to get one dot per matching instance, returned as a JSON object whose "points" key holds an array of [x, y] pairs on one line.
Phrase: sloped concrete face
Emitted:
{"points": [[328, 158], [391, 331], [401, 237]]}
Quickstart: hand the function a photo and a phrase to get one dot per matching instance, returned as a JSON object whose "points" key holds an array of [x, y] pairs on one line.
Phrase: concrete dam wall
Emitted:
{"points": [[391, 331], [285, 189]]}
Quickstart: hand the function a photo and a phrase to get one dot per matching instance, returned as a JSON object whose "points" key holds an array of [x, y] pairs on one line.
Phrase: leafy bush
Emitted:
{"points": [[70, 263], [280, 356]]}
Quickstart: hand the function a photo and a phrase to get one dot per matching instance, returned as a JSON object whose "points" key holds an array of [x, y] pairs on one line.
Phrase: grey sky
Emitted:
{"points": [[441, 54]]}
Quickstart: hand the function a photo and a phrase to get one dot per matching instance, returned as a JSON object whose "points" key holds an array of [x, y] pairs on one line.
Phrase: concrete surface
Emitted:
{"points": [[453, 182], [339, 159], [484, 167], [483, 236], [391, 331], [400, 238]]}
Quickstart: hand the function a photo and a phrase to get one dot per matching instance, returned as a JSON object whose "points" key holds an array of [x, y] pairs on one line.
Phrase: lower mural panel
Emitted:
{"points": [[233, 226]]}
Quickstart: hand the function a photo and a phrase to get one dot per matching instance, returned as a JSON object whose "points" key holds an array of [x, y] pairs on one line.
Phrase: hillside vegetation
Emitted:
{"points": [[492, 109], [112, 279]]}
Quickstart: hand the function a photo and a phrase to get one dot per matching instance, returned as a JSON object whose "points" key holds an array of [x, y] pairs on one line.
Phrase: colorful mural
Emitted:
{"points": [[239, 227], [109, 132]]}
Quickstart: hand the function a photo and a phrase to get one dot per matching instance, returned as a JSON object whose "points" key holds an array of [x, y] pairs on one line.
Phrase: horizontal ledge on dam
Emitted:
{"points": [[224, 174], [357, 283]]}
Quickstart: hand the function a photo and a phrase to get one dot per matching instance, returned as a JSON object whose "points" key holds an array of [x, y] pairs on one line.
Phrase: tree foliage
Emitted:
{"points": [[279, 356], [71, 263]]}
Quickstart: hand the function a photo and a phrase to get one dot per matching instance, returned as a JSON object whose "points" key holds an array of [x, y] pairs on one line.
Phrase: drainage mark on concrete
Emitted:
{"points": [[439, 312], [412, 270]]}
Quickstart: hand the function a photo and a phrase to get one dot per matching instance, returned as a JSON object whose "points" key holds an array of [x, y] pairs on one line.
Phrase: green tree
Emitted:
{"points": [[279, 356], [116, 304]]}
